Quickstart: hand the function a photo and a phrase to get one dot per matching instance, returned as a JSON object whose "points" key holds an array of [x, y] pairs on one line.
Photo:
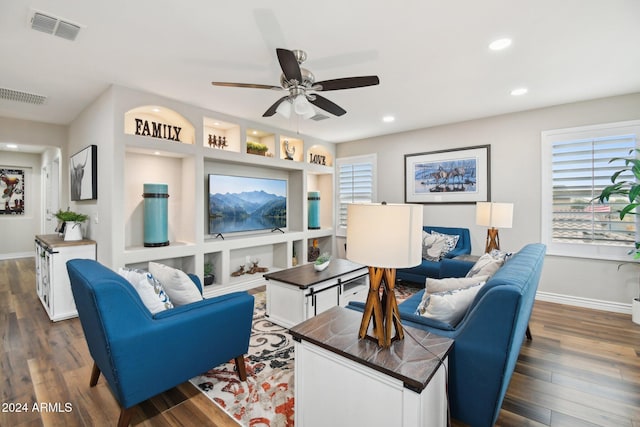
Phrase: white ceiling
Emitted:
{"points": [[431, 56]]}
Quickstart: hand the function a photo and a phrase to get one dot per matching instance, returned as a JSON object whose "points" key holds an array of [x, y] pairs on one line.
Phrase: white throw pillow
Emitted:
{"points": [[450, 306], [433, 246], [150, 290], [487, 265], [176, 283], [451, 240], [452, 283]]}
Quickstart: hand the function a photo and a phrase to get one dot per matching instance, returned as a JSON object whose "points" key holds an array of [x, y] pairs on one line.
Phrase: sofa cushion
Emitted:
{"points": [[452, 283], [149, 289], [177, 284], [487, 265], [451, 240], [448, 306]]}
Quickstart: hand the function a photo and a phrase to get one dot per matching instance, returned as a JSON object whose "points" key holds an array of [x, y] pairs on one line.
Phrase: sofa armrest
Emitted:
{"points": [[454, 267]]}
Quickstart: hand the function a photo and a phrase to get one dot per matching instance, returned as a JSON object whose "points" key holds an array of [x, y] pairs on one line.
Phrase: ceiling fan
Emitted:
{"points": [[302, 86]]}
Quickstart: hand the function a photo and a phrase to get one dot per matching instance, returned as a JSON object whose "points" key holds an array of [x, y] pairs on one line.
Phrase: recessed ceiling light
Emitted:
{"points": [[157, 153], [388, 119], [155, 110], [12, 146], [519, 91], [500, 44]]}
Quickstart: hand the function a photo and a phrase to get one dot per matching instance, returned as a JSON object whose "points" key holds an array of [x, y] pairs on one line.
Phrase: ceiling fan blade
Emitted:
{"points": [[348, 83], [325, 104], [247, 85], [289, 65], [272, 110]]}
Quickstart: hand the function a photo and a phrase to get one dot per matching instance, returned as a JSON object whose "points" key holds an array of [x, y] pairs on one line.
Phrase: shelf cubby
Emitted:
{"points": [[220, 135]]}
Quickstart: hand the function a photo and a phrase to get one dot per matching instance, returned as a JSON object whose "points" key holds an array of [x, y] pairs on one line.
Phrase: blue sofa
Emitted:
{"points": [[489, 336], [431, 269], [142, 354]]}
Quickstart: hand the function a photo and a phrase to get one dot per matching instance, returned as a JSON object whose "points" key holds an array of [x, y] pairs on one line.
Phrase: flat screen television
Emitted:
{"points": [[243, 203]]}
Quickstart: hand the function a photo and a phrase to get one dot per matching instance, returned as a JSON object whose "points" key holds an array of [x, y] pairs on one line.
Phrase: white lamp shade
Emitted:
{"points": [[495, 215], [385, 236], [284, 109]]}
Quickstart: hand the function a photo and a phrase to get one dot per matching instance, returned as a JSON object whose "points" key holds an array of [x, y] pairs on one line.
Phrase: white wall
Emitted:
{"points": [[17, 232], [515, 177]]}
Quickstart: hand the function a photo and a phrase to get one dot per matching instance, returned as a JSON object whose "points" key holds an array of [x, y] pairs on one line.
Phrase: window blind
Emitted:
{"points": [[355, 185], [580, 170]]}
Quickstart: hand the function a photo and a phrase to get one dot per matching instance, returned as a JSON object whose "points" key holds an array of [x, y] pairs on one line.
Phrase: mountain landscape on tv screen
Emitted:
{"points": [[246, 211]]}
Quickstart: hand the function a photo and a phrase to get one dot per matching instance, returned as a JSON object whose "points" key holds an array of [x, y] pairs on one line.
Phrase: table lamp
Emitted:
{"points": [[383, 237], [494, 216]]}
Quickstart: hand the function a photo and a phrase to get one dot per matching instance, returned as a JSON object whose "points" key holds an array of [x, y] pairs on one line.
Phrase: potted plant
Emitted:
{"points": [[629, 190], [256, 148], [72, 224], [209, 277], [322, 262]]}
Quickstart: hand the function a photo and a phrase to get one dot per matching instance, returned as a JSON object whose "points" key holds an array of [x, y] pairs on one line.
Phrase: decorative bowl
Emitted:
{"points": [[320, 267]]}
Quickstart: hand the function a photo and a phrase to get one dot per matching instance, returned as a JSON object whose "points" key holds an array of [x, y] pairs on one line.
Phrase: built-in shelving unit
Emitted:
{"points": [[185, 167]]}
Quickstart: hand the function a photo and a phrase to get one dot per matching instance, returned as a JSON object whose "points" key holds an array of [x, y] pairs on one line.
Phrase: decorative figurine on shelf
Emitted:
{"points": [[239, 272], [216, 141], [314, 251], [256, 269], [289, 151]]}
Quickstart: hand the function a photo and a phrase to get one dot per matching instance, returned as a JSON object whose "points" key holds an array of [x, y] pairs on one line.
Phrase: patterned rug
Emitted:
{"points": [[266, 399]]}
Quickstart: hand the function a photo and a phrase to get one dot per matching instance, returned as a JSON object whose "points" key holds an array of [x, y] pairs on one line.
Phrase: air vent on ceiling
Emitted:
{"points": [[15, 95], [56, 26], [319, 117]]}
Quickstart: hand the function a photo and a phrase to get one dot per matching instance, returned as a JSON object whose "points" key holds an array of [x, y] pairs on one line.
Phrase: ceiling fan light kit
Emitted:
{"points": [[301, 85]]}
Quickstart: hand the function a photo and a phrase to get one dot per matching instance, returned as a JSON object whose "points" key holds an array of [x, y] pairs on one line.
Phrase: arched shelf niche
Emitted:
{"points": [[159, 122]]}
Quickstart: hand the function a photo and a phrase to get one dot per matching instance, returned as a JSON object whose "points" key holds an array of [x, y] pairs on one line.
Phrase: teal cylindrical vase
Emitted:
{"points": [[156, 215], [314, 210]]}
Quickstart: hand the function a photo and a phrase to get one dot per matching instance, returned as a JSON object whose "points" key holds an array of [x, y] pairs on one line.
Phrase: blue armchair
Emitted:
{"points": [[141, 354]]}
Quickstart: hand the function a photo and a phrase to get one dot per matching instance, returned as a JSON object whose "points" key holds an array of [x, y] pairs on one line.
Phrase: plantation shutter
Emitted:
{"points": [[355, 185], [580, 170]]}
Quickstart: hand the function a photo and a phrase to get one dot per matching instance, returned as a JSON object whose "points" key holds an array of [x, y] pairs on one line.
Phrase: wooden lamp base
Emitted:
{"points": [[382, 306], [493, 240]]}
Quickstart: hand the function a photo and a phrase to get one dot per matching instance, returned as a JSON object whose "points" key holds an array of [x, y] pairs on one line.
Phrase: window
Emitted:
{"points": [[575, 168], [356, 184]]}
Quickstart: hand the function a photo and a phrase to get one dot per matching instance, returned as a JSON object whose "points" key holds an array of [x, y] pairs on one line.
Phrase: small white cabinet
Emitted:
{"points": [[52, 280]]}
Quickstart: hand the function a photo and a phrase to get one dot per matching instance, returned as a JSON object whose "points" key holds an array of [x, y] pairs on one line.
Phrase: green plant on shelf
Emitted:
{"points": [[256, 147]]}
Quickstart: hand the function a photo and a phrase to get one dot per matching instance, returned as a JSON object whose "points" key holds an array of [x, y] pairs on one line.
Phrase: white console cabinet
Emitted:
{"points": [[52, 280]]}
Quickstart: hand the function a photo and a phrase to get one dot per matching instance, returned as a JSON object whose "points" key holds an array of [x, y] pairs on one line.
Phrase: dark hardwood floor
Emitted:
{"points": [[581, 369]]}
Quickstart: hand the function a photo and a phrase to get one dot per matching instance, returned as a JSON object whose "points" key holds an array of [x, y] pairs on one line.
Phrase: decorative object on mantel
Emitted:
{"points": [[256, 148], [314, 251], [384, 237], [156, 215], [322, 262], [494, 216], [217, 141], [313, 197], [289, 150], [72, 224]]}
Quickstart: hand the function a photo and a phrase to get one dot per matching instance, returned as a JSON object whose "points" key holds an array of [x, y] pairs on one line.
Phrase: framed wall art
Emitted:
{"points": [[460, 175], [83, 169], [12, 190]]}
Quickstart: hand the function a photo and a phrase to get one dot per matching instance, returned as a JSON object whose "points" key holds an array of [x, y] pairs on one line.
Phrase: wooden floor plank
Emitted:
{"points": [[581, 369]]}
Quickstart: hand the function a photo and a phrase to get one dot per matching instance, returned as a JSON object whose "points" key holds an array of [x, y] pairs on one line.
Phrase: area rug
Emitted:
{"points": [[266, 399]]}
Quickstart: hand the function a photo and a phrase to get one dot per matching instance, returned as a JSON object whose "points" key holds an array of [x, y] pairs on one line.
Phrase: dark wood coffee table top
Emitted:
{"points": [[336, 330], [305, 275]]}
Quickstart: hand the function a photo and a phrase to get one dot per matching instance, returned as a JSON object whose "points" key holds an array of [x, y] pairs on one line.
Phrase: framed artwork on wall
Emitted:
{"points": [[12, 190], [83, 169], [459, 175]]}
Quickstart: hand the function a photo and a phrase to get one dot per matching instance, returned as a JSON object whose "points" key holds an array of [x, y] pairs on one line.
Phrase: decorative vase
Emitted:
{"points": [[320, 267], [156, 215], [313, 198], [72, 231], [635, 311], [209, 279]]}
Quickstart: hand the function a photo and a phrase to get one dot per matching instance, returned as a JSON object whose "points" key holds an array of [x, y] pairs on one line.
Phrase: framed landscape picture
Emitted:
{"points": [[460, 175], [83, 169]]}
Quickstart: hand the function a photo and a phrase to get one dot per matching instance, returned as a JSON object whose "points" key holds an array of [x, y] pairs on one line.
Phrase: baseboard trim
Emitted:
{"points": [[16, 255], [616, 307]]}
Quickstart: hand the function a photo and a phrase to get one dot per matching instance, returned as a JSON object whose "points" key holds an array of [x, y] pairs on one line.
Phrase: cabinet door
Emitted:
{"points": [[322, 301]]}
